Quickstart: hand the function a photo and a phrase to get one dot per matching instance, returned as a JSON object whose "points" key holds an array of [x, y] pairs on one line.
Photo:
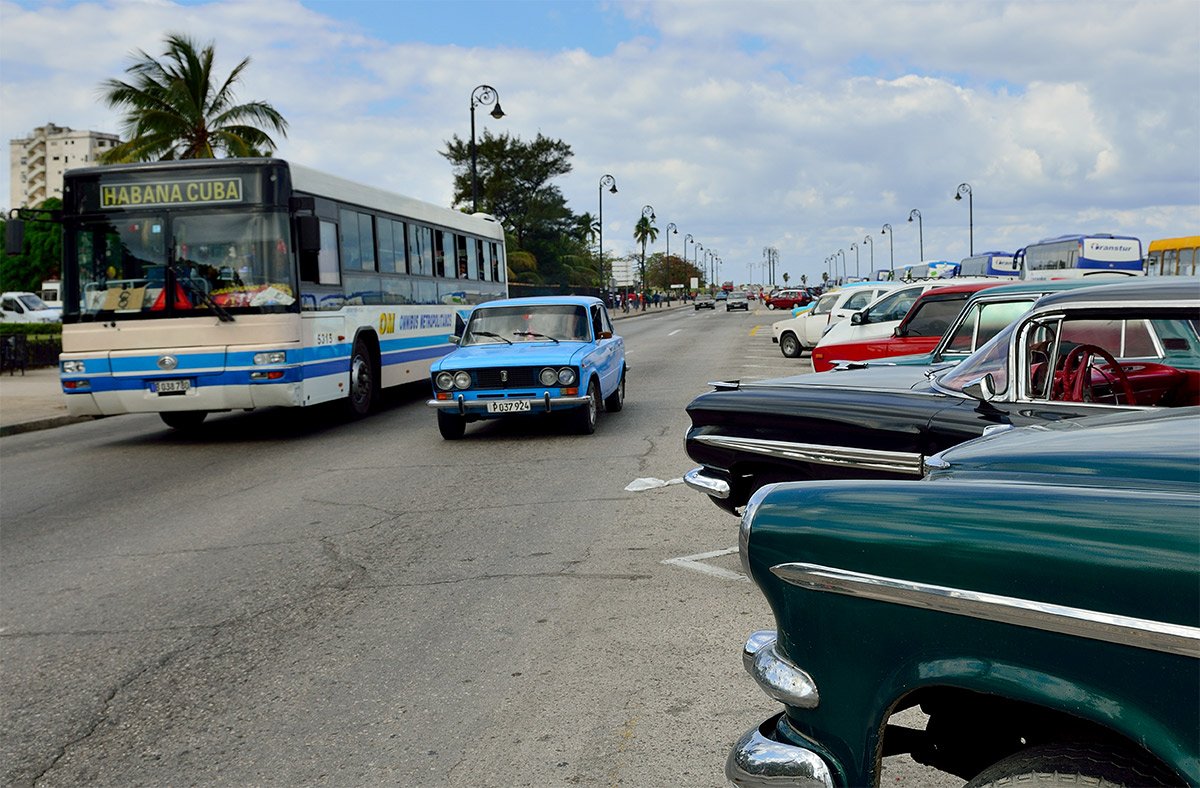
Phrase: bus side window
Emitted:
{"points": [[327, 258]]}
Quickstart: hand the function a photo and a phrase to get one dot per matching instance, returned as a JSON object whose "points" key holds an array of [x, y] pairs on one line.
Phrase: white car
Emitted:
{"points": [[880, 318], [21, 307], [803, 332]]}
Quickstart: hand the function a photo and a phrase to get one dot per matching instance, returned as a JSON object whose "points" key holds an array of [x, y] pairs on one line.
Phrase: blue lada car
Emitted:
{"points": [[555, 354]]}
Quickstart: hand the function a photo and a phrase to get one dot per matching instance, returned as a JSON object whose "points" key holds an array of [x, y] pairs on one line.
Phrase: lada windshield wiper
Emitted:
{"points": [[534, 334], [490, 334]]}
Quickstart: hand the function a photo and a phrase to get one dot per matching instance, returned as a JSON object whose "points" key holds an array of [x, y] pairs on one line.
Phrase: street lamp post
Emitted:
{"points": [[483, 95], [696, 259], [871, 241], [887, 230], [671, 228], [920, 233], [842, 252], [647, 213], [611, 183], [965, 188], [857, 264]]}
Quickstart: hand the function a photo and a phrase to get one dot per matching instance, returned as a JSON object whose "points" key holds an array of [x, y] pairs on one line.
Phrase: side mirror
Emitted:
{"points": [[14, 236], [606, 335], [857, 319], [454, 339], [900, 331], [982, 389]]}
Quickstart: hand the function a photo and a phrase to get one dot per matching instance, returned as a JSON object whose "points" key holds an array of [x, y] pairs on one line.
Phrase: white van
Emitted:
{"points": [[19, 307]]}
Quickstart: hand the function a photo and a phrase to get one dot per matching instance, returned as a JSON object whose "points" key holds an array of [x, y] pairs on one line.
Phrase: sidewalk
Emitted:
{"points": [[34, 401]]}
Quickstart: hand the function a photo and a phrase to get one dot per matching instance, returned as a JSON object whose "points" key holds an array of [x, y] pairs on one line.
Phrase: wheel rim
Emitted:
{"points": [[360, 379], [789, 346], [592, 406]]}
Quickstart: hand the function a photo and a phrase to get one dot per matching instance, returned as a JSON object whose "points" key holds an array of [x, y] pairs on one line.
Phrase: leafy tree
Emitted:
{"points": [[40, 256], [174, 109]]}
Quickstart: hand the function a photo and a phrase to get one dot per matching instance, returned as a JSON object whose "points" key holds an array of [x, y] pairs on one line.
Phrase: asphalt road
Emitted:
{"points": [[292, 599]]}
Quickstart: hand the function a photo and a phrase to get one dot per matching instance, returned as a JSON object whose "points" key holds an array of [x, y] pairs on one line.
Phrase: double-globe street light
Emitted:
{"points": [[647, 213], [920, 233], [483, 95], [965, 188], [609, 182]]}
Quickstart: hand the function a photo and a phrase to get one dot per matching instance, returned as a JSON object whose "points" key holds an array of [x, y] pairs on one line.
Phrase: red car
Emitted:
{"points": [[919, 332], [787, 299]]}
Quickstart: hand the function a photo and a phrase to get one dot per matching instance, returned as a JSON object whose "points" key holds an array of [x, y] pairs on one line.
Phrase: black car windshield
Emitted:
{"points": [[991, 358], [527, 323]]}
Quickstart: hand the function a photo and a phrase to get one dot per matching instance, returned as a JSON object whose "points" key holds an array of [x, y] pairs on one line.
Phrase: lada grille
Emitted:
{"points": [[506, 377]]}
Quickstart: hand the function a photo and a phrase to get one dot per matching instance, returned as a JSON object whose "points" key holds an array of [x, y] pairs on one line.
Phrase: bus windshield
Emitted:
{"points": [[172, 264]]}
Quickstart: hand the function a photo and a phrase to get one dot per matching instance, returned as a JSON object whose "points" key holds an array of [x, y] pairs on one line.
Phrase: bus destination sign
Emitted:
{"points": [[168, 193]]}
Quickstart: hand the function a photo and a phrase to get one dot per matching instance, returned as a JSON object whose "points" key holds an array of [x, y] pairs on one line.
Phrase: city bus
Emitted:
{"points": [[198, 286], [989, 264], [1174, 256], [1080, 255], [927, 269]]}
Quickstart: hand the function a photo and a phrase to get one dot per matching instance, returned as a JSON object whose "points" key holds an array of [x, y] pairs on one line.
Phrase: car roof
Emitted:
{"points": [[1168, 289], [935, 292], [570, 300]]}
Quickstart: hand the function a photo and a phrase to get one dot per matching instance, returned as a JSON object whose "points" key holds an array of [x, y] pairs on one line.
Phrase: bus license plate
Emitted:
{"points": [[172, 386], [510, 406]]}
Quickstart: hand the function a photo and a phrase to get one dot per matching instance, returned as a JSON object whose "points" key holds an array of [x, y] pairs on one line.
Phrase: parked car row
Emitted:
{"points": [[1001, 531]]}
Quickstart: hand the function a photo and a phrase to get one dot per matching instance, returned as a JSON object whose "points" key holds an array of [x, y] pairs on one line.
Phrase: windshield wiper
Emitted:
{"points": [[185, 278], [534, 334], [490, 334]]}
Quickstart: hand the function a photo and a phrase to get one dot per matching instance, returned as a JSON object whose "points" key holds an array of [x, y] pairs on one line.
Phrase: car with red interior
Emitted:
{"points": [[919, 332], [787, 299]]}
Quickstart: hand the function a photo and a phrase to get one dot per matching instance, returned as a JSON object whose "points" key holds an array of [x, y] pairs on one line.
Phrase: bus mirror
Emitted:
{"points": [[308, 234], [14, 236]]}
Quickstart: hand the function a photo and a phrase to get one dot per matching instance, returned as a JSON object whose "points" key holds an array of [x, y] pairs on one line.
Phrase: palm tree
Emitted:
{"points": [[175, 110], [642, 231]]}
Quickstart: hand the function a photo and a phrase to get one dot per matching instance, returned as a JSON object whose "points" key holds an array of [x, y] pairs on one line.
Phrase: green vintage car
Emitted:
{"points": [[1037, 595]]}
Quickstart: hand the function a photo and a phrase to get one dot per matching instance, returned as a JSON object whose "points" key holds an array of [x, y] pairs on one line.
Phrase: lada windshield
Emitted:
{"points": [[170, 265], [536, 323]]}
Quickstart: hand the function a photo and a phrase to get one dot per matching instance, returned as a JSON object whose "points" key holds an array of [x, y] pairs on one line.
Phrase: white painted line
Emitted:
{"points": [[693, 562], [673, 333]]}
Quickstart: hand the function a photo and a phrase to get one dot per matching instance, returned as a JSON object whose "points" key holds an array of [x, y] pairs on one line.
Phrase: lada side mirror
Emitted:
{"points": [[606, 335], [857, 319], [982, 389], [454, 339]]}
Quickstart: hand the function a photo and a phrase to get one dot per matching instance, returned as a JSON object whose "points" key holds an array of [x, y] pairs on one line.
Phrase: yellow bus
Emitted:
{"points": [[1174, 256]]}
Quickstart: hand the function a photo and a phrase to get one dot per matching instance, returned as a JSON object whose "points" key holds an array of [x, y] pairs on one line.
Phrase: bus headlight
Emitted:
{"points": [[72, 367], [444, 381], [566, 376], [548, 376], [462, 380], [274, 357]]}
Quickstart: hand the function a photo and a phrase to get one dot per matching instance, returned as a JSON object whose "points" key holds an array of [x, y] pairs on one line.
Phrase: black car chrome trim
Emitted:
{"points": [[758, 761], [846, 456], [1096, 625], [700, 481]]}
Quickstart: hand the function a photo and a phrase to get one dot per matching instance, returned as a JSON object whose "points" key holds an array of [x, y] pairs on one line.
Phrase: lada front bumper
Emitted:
{"points": [[479, 405]]}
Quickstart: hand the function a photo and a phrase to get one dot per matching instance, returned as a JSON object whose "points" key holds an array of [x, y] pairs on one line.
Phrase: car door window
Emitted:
{"points": [[894, 306], [933, 317], [857, 301]]}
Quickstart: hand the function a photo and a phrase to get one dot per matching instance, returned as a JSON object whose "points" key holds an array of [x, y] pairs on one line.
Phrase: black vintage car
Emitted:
{"points": [[1086, 352]]}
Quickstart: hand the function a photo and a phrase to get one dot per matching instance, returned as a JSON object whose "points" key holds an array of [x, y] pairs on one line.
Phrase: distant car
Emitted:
{"points": [[737, 300], [1076, 354], [1035, 595], [556, 354], [704, 301], [805, 330], [722, 295], [919, 332], [786, 299], [25, 307]]}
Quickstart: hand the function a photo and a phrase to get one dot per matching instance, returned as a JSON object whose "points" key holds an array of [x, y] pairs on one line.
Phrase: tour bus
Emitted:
{"points": [[1174, 256], [210, 285], [1080, 255], [927, 269], [989, 264]]}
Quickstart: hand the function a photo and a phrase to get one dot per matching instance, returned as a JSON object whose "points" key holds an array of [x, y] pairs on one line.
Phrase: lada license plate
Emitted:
{"points": [[508, 406], [171, 386]]}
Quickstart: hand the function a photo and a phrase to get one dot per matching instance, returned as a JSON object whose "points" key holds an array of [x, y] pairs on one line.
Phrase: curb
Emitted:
{"points": [[34, 425]]}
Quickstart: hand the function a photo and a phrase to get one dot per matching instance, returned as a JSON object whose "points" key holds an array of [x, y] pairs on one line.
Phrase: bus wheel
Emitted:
{"points": [[451, 425], [363, 380], [184, 419]]}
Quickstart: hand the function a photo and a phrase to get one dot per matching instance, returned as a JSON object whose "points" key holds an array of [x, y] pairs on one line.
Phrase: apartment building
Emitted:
{"points": [[37, 163]]}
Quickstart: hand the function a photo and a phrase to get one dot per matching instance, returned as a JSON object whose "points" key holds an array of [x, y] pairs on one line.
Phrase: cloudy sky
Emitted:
{"points": [[803, 126]]}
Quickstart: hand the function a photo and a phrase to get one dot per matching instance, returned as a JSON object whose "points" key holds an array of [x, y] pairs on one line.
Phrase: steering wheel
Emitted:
{"points": [[1077, 383]]}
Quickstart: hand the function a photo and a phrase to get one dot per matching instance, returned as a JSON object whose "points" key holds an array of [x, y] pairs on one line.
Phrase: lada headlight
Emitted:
{"points": [[444, 381], [462, 379], [548, 377], [566, 376]]}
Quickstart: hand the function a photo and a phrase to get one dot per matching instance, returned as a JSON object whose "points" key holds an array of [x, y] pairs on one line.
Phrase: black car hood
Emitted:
{"points": [[877, 378]]}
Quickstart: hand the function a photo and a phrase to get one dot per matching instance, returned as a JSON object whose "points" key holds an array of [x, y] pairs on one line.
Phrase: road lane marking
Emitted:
{"points": [[693, 562], [673, 333]]}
